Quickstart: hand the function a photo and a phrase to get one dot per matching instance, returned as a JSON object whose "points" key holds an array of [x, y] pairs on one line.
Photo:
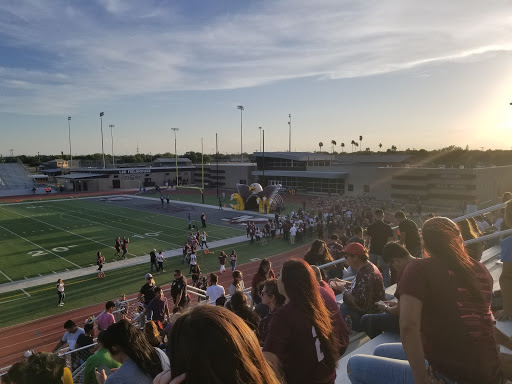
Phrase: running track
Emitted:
{"points": [[43, 334]]}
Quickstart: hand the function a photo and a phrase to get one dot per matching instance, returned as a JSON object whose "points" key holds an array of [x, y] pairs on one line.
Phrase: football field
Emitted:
{"points": [[48, 237]]}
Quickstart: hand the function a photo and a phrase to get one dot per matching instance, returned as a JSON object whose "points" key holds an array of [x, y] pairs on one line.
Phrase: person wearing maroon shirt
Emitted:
{"points": [[264, 272], [271, 297], [445, 319], [302, 338], [368, 289]]}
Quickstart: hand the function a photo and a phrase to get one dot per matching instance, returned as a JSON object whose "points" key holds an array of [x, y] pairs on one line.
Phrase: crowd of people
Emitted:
{"points": [[290, 329]]}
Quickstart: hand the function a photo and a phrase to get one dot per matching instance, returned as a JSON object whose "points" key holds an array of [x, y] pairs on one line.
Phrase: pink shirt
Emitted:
{"points": [[105, 320]]}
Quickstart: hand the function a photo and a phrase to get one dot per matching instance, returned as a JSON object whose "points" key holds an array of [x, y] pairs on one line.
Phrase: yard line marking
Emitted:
{"points": [[37, 245], [8, 278], [8, 301], [61, 229], [150, 222], [117, 228]]}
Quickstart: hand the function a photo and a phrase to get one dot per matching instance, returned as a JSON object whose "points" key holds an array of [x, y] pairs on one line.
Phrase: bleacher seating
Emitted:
{"points": [[14, 177]]}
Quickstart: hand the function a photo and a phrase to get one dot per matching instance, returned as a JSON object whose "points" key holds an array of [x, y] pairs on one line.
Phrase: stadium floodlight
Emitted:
{"points": [[70, 153], [176, 154], [102, 150], [112, 136], [241, 108]]}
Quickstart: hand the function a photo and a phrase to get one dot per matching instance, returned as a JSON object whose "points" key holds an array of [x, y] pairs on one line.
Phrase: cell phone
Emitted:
{"points": [[107, 370]]}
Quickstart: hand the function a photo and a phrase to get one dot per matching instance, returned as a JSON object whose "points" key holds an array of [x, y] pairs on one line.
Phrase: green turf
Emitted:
{"points": [[17, 307], [46, 237]]}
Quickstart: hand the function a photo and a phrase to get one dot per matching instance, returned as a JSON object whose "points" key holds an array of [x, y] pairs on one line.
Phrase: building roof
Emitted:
{"points": [[298, 156], [308, 174], [74, 176], [373, 158], [171, 160]]}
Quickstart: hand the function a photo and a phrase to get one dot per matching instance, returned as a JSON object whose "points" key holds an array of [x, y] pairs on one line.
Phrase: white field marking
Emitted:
{"points": [[117, 228], [7, 277], [63, 230], [31, 242], [8, 301], [151, 222]]}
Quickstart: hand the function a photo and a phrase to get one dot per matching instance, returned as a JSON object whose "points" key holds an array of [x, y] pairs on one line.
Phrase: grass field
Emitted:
{"points": [[46, 237], [18, 307]]}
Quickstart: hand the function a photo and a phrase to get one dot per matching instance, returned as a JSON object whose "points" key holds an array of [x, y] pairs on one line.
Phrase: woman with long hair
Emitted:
{"points": [[60, 292], [467, 231], [301, 336], [140, 361], [271, 297], [231, 350], [152, 334], [239, 305], [318, 254], [264, 272], [445, 319], [238, 282]]}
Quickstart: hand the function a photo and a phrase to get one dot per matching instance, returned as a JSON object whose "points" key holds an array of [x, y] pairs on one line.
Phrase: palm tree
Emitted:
{"points": [[393, 148], [356, 144], [333, 142], [352, 143], [360, 141], [380, 146], [320, 144], [367, 149], [342, 146]]}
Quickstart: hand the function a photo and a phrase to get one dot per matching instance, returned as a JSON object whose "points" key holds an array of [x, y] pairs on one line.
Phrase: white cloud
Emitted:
{"points": [[134, 48]]}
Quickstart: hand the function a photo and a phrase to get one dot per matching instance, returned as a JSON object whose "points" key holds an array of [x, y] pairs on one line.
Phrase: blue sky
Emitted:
{"points": [[408, 73]]}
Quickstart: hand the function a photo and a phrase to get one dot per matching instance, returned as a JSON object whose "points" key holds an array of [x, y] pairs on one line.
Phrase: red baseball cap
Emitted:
{"points": [[355, 249]]}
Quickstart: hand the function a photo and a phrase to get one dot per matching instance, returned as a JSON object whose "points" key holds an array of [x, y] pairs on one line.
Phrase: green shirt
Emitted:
{"points": [[101, 357]]}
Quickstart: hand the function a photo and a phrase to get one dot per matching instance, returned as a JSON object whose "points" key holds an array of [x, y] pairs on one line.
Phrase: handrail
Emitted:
{"points": [[480, 212]]}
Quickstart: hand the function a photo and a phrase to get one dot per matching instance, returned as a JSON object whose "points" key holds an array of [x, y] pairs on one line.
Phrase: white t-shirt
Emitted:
{"points": [[214, 292], [293, 230], [71, 338], [203, 237], [160, 258], [193, 259]]}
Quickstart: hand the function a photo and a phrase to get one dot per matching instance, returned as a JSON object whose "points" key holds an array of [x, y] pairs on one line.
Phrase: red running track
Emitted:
{"points": [[43, 334]]}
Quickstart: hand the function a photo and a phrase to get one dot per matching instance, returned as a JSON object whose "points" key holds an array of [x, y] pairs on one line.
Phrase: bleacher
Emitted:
{"points": [[15, 179]]}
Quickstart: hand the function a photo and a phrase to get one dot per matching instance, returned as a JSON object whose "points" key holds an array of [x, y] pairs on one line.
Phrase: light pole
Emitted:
{"points": [[112, 136], [102, 150], [176, 154], [290, 133], [241, 108], [70, 153], [260, 137]]}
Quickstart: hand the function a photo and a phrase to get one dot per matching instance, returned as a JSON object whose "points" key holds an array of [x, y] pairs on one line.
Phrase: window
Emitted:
{"points": [[366, 188], [351, 187]]}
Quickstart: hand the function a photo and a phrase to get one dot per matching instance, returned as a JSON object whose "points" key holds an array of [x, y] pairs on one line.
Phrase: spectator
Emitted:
{"points": [[368, 288], [179, 290], [60, 292], [45, 368], [379, 233], [271, 297], [233, 259], [301, 335], [319, 254], [140, 361], [70, 337], [152, 260], [195, 274], [158, 310], [474, 250], [160, 260], [106, 318], [222, 260], [409, 234], [15, 374], [357, 236], [214, 291], [239, 305], [321, 281], [398, 257], [235, 358], [101, 358], [85, 339], [152, 334], [238, 283], [506, 273], [445, 318], [147, 291], [264, 272]]}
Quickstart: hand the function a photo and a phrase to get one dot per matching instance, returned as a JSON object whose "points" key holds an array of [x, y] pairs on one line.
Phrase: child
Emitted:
{"points": [[99, 262]]}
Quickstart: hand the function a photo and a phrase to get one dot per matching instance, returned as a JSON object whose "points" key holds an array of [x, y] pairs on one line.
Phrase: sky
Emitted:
{"points": [[408, 73]]}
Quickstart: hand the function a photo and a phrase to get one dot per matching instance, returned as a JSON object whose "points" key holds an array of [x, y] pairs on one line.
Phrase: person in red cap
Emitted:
{"points": [[361, 298]]}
